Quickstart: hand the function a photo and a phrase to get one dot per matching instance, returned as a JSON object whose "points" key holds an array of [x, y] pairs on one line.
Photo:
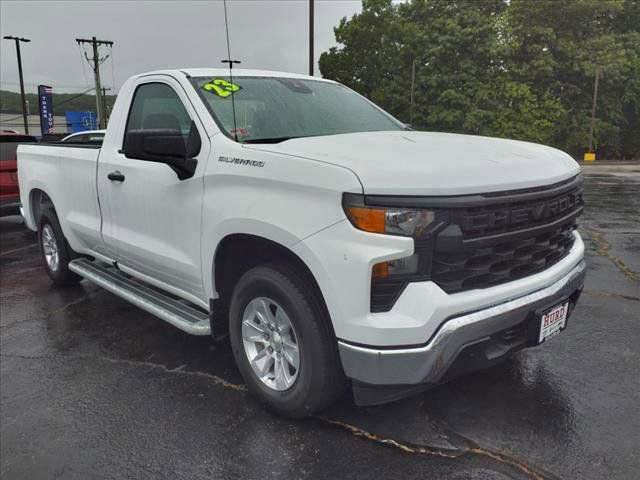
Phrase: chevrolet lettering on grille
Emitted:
{"points": [[518, 216]]}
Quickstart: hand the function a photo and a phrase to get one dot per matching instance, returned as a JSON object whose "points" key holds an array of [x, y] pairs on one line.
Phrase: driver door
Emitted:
{"points": [[152, 219]]}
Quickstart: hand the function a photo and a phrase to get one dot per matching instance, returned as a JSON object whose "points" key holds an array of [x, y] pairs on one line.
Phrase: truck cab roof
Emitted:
{"points": [[224, 72]]}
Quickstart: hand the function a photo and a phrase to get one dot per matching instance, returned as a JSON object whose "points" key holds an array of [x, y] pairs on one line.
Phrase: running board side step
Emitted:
{"points": [[175, 312]]}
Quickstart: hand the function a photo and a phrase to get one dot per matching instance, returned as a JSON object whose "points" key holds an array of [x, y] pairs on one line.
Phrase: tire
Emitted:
{"points": [[318, 380], [54, 250]]}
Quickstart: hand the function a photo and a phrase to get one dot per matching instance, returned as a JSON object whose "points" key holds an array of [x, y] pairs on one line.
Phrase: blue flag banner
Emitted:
{"points": [[45, 101]]}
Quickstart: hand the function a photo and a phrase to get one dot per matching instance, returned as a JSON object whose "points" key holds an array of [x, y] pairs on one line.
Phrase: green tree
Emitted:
{"points": [[370, 42], [556, 48], [521, 69]]}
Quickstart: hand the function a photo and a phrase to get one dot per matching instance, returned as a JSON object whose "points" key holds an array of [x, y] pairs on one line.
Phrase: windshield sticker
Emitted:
{"points": [[294, 85], [221, 87]]}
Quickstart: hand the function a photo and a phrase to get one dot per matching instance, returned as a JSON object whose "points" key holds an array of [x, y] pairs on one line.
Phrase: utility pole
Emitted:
{"points": [[413, 83], [24, 102], [593, 109], [311, 59], [97, 60]]}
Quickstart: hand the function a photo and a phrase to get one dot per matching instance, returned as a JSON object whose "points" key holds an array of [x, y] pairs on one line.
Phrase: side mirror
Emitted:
{"points": [[165, 145]]}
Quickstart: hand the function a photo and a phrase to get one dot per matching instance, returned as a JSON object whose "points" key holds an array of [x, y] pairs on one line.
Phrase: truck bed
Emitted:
{"points": [[69, 174]]}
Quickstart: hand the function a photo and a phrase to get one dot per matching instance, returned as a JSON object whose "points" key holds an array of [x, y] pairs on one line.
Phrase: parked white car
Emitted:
{"points": [[87, 136], [332, 243]]}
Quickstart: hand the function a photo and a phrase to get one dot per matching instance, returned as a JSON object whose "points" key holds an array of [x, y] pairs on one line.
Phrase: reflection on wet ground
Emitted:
{"points": [[93, 387]]}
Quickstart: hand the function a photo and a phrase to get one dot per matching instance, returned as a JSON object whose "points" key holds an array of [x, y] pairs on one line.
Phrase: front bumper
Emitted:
{"points": [[434, 361]]}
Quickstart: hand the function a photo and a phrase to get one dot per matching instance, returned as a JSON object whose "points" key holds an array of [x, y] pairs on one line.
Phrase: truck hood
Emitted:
{"points": [[430, 163]]}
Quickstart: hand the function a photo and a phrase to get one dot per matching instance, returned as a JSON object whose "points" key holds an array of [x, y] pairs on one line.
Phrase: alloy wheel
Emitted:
{"points": [[50, 248], [271, 343]]}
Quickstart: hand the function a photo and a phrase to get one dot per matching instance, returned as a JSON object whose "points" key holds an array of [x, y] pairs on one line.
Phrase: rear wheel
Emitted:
{"points": [[283, 343], [55, 252]]}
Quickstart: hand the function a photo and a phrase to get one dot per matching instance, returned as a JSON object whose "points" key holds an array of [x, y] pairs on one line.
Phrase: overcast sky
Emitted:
{"points": [[265, 34]]}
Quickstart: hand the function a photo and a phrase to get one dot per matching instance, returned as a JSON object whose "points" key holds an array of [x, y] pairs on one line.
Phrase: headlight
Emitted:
{"points": [[412, 223], [407, 222], [390, 277]]}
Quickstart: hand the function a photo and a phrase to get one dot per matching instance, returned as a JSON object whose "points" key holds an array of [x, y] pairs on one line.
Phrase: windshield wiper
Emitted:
{"points": [[268, 140]]}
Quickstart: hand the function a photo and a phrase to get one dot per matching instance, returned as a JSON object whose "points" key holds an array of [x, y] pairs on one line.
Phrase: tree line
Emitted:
{"points": [[10, 102], [521, 69]]}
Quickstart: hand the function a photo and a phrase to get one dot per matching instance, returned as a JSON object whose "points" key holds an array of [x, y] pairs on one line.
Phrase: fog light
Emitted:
{"points": [[399, 266]]}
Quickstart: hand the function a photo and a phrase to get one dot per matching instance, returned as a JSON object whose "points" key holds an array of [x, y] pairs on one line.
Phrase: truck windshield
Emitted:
{"points": [[274, 109]]}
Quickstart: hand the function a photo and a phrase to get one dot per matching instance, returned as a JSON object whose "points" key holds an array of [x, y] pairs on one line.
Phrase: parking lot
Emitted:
{"points": [[92, 387]]}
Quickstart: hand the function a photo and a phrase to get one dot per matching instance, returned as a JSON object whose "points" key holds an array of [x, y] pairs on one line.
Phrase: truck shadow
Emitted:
{"points": [[508, 399]]}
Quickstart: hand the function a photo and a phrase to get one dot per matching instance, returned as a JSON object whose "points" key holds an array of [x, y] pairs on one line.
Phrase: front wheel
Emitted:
{"points": [[55, 251], [282, 341]]}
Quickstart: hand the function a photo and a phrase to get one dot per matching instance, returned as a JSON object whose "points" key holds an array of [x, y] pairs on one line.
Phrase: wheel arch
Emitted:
{"points": [[237, 253], [39, 200]]}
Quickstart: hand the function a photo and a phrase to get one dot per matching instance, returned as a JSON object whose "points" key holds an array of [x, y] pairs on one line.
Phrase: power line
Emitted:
{"points": [[74, 97], [113, 75], [84, 73]]}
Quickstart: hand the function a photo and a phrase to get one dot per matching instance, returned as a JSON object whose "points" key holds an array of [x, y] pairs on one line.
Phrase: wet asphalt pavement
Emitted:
{"points": [[91, 387]]}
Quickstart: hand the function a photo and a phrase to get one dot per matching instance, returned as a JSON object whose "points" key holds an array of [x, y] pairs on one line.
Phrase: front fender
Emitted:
{"points": [[284, 199]]}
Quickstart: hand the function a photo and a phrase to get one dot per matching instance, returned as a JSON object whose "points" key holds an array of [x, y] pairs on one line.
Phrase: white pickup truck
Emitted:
{"points": [[332, 243]]}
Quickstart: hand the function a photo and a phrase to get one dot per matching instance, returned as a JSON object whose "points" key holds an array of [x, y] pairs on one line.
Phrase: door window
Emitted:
{"points": [[157, 105]]}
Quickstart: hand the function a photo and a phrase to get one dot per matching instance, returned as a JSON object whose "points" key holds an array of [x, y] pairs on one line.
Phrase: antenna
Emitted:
{"points": [[230, 62]]}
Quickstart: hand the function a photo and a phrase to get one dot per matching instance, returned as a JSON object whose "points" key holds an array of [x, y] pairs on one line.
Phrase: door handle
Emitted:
{"points": [[116, 176]]}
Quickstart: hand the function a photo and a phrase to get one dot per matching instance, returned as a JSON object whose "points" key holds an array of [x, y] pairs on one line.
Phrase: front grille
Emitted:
{"points": [[503, 241], [502, 261], [480, 241]]}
